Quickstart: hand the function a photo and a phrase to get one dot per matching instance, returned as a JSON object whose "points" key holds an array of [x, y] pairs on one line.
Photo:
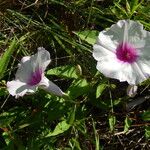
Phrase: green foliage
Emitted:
{"points": [[4, 60], [72, 114], [94, 114], [147, 132], [67, 71], [146, 116], [100, 88], [89, 36], [96, 138], [60, 128], [6, 118], [78, 87], [127, 124], [112, 122]]}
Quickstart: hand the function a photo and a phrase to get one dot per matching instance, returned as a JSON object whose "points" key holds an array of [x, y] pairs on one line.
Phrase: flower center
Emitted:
{"points": [[35, 77], [126, 53]]}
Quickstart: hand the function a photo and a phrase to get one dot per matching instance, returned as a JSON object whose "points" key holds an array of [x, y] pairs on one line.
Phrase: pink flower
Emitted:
{"points": [[123, 52], [30, 75]]}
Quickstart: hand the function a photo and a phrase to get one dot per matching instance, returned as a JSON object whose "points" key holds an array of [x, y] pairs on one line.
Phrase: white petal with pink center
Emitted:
{"points": [[123, 52], [30, 75]]}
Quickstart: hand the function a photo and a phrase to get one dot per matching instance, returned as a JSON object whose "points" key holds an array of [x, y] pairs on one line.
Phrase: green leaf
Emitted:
{"points": [[67, 71], [116, 101], [100, 89], [128, 6], [89, 36], [24, 126], [112, 122], [6, 118], [121, 9], [72, 115], [127, 125], [4, 60], [6, 136], [134, 4], [78, 87], [12, 141], [57, 109], [147, 132], [76, 144], [3, 91], [146, 116], [60, 128]]}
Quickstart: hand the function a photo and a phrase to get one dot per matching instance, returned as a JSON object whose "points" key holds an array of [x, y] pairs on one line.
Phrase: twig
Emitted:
{"points": [[5, 102], [123, 132]]}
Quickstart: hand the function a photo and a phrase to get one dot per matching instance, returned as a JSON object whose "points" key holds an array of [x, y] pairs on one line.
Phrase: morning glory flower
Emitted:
{"points": [[30, 75], [132, 90], [123, 52]]}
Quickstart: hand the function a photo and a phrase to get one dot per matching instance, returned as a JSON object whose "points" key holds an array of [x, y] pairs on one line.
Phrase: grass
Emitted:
{"points": [[99, 115]]}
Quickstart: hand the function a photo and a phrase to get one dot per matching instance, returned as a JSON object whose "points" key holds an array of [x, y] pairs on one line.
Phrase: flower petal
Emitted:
{"points": [[143, 45], [105, 40], [24, 69], [144, 65], [109, 66], [132, 90], [141, 72], [113, 36], [26, 58], [17, 88], [133, 73], [43, 58], [100, 52], [113, 68], [135, 31], [140, 38], [30, 64], [50, 87]]}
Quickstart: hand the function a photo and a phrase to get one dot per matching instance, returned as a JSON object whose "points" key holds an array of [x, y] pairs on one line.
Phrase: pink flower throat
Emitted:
{"points": [[126, 53], [35, 77]]}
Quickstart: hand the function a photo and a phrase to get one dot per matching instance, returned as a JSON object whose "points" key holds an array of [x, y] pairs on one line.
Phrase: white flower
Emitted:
{"points": [[132, 90], [123, 52], [30, 75]]}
